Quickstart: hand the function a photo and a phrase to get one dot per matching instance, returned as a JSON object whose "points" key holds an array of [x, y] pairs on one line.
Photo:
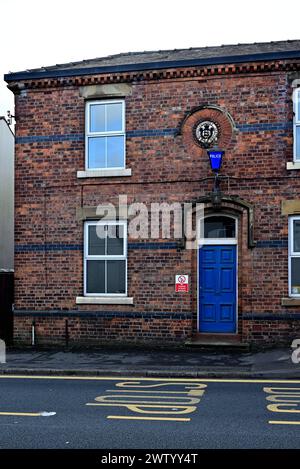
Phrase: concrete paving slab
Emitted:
{"points": [[166, 362]]}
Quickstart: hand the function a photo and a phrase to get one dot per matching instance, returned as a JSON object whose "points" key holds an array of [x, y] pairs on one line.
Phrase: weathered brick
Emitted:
{"points": [[165, 168]]}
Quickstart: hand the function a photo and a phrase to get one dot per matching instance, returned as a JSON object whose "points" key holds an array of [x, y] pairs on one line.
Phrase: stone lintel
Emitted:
{"points": [[117, 90]]}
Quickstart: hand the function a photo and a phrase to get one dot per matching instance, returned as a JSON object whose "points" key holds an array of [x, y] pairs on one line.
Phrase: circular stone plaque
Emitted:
{"points": [[206, 133]]}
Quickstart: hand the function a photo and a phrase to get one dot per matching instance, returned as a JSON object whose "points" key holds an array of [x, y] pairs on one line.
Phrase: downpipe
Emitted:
{"points": [[33, 334]]}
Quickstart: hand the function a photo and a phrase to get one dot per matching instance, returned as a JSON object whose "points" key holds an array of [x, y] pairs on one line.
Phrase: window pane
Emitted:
{"points": [[96, 242], [298, 105], [97, 118], [296, 228], [116, 276], [95, 277], [114, 117], [295, 281], [96, 152], [115, 235], [115, 152], [297, 136], [219, 227]]}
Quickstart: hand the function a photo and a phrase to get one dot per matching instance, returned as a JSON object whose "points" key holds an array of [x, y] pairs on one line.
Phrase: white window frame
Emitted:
{"points": [[89, 134], [296, 99], [212, 241], [292, 253], [104, 257]]}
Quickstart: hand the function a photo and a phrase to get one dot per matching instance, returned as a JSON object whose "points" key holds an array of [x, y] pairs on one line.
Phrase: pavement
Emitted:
{"points": [[152, 362]]}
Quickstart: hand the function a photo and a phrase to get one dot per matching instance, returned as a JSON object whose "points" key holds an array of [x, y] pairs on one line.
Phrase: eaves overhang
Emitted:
{"points": [[135, 67]]}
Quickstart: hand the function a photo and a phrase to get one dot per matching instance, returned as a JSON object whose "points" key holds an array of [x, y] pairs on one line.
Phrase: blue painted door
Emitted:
{"points": [[217, 289]]}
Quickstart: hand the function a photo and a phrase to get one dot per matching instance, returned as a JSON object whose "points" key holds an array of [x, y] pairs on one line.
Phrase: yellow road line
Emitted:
{"points": [[21, 414], [122, 417], [139, 379], [283, 422], [155, 406], [129, 390]]}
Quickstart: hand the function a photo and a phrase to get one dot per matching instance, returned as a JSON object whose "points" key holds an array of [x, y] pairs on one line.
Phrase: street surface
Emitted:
{"points": [[126, 413]]}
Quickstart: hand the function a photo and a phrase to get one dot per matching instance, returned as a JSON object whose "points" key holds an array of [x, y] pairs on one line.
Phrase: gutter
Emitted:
{"points": [[231, 59]]}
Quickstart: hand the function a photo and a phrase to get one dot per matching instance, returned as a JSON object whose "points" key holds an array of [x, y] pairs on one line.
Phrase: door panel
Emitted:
{"points": [[209, 312], [217, 289], [226, 280], [208, 279], [226, 313], [227, 255], [209, 256]]}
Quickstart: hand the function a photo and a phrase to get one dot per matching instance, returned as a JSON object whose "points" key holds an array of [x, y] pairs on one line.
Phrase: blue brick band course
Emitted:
{"points": [[290, 316], [279, 243], [272, 126], [272, 243], [106, 314]]}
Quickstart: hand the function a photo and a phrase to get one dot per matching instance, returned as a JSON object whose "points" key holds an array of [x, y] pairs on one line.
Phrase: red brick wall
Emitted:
{"points": [[164, 169], [97, 331], [269, 333]]}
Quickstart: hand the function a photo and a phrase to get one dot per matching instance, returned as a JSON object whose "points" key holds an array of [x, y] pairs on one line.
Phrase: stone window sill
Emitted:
{"points": [[102, 173], [104, 300], [293, 165], [290, 301]]}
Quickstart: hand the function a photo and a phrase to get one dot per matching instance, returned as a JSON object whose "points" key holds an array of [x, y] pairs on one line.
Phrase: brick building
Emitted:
{"points": [[139, 125]]}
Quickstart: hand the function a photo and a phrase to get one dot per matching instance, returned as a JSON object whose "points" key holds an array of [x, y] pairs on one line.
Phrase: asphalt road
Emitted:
{"points": [[147, 413]]}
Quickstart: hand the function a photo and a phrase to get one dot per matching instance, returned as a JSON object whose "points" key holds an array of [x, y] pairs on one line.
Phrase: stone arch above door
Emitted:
{"points": [[228, 204]]}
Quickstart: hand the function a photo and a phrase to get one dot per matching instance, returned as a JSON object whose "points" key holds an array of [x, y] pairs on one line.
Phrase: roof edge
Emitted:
{"points": [[231, 59]]}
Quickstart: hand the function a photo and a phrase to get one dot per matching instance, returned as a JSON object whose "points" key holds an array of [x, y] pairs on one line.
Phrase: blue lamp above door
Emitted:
{"points": [[215, 158]]}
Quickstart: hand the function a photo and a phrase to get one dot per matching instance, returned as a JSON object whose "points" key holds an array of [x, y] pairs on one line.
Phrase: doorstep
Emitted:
{"points": [[217, 341]]}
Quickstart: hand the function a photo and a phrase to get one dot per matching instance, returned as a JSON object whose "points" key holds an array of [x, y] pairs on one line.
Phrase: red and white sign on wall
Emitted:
{"points": [[181, 283]]}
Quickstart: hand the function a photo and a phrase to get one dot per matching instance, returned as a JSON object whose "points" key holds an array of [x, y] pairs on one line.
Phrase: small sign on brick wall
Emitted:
{"points": [[181, 283]]}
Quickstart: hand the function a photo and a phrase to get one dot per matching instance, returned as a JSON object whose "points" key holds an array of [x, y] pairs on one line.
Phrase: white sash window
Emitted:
{"points": [[105, 258], [105, 135]]}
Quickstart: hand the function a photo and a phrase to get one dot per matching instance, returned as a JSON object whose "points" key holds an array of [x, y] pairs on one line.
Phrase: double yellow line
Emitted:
{"points": [[21, 414]]}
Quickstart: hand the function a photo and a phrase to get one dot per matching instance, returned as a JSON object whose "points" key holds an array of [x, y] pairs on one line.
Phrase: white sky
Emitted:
{"points": [[36, 32]]}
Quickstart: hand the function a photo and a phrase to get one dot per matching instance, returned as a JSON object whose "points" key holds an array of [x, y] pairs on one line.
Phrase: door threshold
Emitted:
{"points": [[219, 340]]}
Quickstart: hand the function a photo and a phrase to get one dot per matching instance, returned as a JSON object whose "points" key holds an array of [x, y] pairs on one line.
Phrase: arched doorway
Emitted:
{"points": [[217, 274]]}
